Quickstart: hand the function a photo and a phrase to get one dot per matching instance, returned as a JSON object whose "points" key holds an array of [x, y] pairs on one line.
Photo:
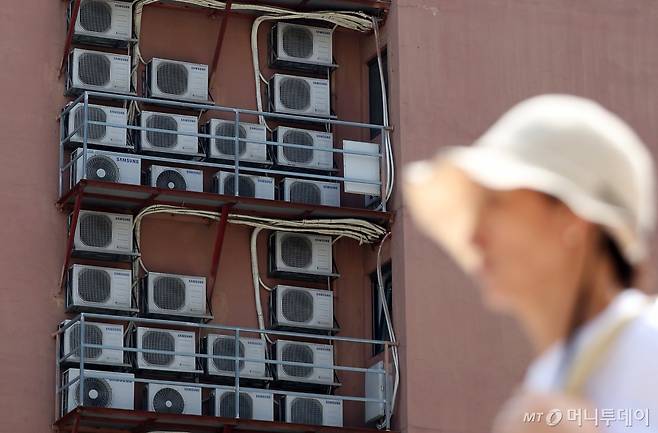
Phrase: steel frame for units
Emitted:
{"points": [[82, 321]]}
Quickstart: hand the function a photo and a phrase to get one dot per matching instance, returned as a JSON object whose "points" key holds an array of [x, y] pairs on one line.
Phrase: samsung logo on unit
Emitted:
{"points": [[123, 59], [263, 396], [124, 219], [188, 120], [326, 295], [116, 112], [333, 402], [325, 349], [184, 335], [198, 68], [128, 160], [320, 83]]}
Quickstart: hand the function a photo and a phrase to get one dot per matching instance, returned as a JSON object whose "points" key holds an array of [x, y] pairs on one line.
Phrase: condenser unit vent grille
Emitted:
{"points": [[100, 167], [296, 154], [97, 392], [305, 192], [247, 186], [227, 405], [306, 411], [95, 16], [94, 114], [296, 251], [169, 293], [298, 42], [171, 179], [94, 69], [162, 139], [295, 93], [226, 347], [297, 305], [168, 400], [93, 335], [157, 340], [297, 353], [94, 285], [95, 230], [227, 145], [172, 78]]}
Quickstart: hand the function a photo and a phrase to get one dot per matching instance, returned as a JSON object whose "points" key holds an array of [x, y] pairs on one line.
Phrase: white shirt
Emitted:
{"points": [[626, 380]]}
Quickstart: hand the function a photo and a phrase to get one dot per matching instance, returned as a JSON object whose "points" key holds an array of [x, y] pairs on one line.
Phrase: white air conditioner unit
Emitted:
{"points": [[106, 166], [181, 179], [168, 340], [154, 141], [95, 287], [101, 389], [172, 79], [224, 345], [249, 185], [300, 255], [314, 411], [308, 353], [106, 19], [96, 70], [311, 157], [253, 404], [300, 307], [375, 388], [101, 232], [104, 334], [313, 192], [294, 43], [99, 134], [300, 95], [223, 147], [175, 295], [175, 399]]}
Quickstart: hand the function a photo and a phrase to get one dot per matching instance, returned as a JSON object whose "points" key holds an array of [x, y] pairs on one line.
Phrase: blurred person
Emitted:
{"points": [[551, 211]]}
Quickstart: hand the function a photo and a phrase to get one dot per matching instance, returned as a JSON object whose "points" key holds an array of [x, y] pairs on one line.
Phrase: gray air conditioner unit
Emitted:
{"points": [[314, 411], [98, 288], [224, 345], [308, 353], [172, 79], [295, 45], [107, 233], [176, 399], [249, 185], [101, 389], [165, 142], [223, 147], [104, 19], [173, 178], [106, 166], [299, 307], [166, 340], [253, 404], [292, 94], [304, 157], [96, 70], [98, 134], [175, 295], [300, 255], [313, 192], [102, 334]]}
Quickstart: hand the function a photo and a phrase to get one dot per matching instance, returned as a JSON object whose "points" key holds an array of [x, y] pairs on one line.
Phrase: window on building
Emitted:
{"points": [[379, 328], [375, 92]]}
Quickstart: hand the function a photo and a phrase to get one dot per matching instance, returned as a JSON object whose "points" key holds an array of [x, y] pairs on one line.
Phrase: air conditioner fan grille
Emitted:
{"points": [[95, 16], [97, 392], [247, 186], [226, 146], [225, 346], [101, 167], [305, 192], [94, 114], [95, 230], [93, 335], [162, 139], [94, 285], [297, 305], [94, 69], [296, 154], [306, 411], [168, 400], [158, 340], [171, 179], [169, 293], [297, 353], [298, 42], [295, 94], [296, 251], [172, 78], [227, 405]]}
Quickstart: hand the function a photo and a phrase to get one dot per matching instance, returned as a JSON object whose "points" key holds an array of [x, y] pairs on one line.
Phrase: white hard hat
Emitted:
{"points": [[565, 146]]}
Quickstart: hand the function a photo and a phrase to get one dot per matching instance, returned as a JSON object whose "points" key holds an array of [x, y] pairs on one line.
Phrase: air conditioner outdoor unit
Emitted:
{"points": [[98, 134], [104, 334], [175, 399], [294, 43], [300, 255], [106, 166], [308, 353], [95, 287], [101, 389], [96, 70], [172, 79], [249, 185], [300, 95], [154, 141], [175, 295], [224, 345], [169, 340], [310, 157], [224, 147], [314, 411], [181, 179], [257, 405], [299, 307], [313, 192], [106, 19], [100, 232]]}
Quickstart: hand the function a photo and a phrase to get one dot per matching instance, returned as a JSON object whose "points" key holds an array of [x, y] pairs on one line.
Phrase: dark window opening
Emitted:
{"points": [[375, 92], [379, 328]]}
